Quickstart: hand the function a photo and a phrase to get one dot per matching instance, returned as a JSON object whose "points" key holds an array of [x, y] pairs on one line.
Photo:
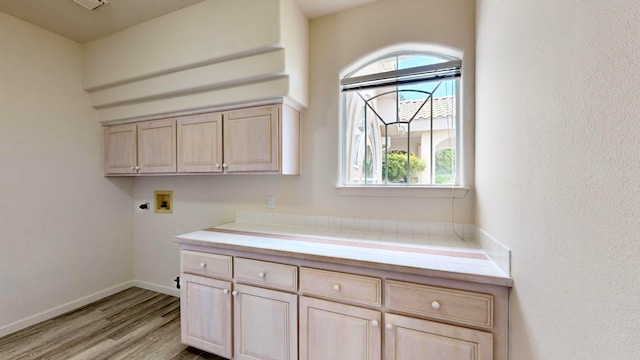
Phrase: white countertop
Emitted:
{"points": [[446, 258]]}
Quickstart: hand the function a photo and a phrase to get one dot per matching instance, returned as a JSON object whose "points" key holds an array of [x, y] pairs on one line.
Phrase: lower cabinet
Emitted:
{"points": [[248, 309], [205, 314], [265, 324], [415, 339], [330, 330]]}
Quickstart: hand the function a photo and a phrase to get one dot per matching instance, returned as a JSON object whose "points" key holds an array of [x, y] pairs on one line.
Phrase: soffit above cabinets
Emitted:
{"points": [[66, 18]]}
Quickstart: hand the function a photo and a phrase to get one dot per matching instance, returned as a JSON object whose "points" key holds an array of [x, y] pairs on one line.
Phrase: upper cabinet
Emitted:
{"points": [[120, 149], [139, 74], [251, 139], [264, 139], [200, 143], [143, 148]]}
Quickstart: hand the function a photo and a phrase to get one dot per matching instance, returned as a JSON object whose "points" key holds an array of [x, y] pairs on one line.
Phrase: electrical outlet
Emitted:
{"points": [[271, 201]]}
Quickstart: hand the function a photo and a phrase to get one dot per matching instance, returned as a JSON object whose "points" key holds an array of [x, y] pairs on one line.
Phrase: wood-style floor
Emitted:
{"points": [[132, 324]]}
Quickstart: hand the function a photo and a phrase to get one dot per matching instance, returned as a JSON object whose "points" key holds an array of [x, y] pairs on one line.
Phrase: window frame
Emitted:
{"points": [[347, 81]]}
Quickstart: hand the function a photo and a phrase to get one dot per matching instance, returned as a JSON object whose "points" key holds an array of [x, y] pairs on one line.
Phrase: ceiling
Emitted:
{"points": [[71, 20]]}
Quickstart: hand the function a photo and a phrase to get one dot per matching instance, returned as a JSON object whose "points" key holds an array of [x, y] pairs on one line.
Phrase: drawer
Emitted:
{"points": [[341, 286], [267, 274], [459, 306], [201, 263]]}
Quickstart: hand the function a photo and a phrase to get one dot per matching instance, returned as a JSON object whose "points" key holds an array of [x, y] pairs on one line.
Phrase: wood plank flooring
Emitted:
{"points": [[132, 324]]}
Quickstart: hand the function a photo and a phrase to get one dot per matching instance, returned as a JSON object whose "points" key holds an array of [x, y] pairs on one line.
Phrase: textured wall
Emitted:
{"points": [[66, 230], [557, 168]]}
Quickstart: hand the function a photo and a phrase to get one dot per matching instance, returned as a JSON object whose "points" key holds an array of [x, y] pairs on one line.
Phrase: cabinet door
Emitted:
{"points": [[330, 330], [205, 314], [120, 149], [157, 146], [251, 141], [200, 143], [265, 324], [414, 339]]}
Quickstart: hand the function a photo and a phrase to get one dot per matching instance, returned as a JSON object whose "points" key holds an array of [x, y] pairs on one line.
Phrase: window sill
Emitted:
{"points": [[404, 191]]}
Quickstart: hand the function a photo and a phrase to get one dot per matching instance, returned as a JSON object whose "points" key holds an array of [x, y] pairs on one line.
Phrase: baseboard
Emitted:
{"points": [[64, 308], [157, 288]]}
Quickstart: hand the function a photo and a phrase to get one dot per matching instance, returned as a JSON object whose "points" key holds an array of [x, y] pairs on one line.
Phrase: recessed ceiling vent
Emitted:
{"points": [[90, 4]]}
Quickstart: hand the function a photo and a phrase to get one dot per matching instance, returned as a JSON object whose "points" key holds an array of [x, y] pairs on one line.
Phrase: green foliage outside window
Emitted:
{"points": [[445, 164], [397, 167]]}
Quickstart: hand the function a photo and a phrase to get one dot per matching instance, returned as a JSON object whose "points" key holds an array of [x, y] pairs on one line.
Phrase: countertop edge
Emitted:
{"points": [[468, 277]]}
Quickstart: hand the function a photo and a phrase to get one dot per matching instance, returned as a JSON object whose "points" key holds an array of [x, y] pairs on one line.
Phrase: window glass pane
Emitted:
{"points": [[401, 135], [393, 139]]}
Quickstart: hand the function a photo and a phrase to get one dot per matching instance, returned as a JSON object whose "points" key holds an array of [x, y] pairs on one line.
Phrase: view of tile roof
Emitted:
{"points": [[442, 107]]}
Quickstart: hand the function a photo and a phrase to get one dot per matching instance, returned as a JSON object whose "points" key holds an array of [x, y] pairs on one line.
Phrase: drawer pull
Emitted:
{"points": [[234, 293], [435, 305], [262, 274], [225, 291], [203, 264], [389, 326], [374, 323], [336, 287]]}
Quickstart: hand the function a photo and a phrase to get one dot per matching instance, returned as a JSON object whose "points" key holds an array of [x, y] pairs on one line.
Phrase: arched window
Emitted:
{"points": [[400, 109]]}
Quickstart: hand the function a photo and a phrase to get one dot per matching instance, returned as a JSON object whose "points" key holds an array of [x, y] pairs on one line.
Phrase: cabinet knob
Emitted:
{"points": [[389, 326], [133, 168], [374, 323], [225, 291], [217, 166], [234, 293], [224, 165], [336, 287], [137, 167], [203, 264], [262, 274], [435, 305]]}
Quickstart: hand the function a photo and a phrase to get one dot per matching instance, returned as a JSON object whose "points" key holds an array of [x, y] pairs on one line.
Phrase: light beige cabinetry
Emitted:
{"points": [[264, 139], [331, 330], [251, 139], [143, 148], [200, 143], [406, 338], [288, 307], [205, 301], [265, 324], [412, 338], [264, 318], [206, 314]]}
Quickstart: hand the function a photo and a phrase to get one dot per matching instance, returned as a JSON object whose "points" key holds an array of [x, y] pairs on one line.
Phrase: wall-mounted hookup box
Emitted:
{"points": [[163, 201]]}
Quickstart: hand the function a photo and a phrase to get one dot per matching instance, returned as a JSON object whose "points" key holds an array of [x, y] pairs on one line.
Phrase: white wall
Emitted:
{"points": [[557, 170], [207, 56], [336, 41], [294, 32], [202, 33], [66, 230]]}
